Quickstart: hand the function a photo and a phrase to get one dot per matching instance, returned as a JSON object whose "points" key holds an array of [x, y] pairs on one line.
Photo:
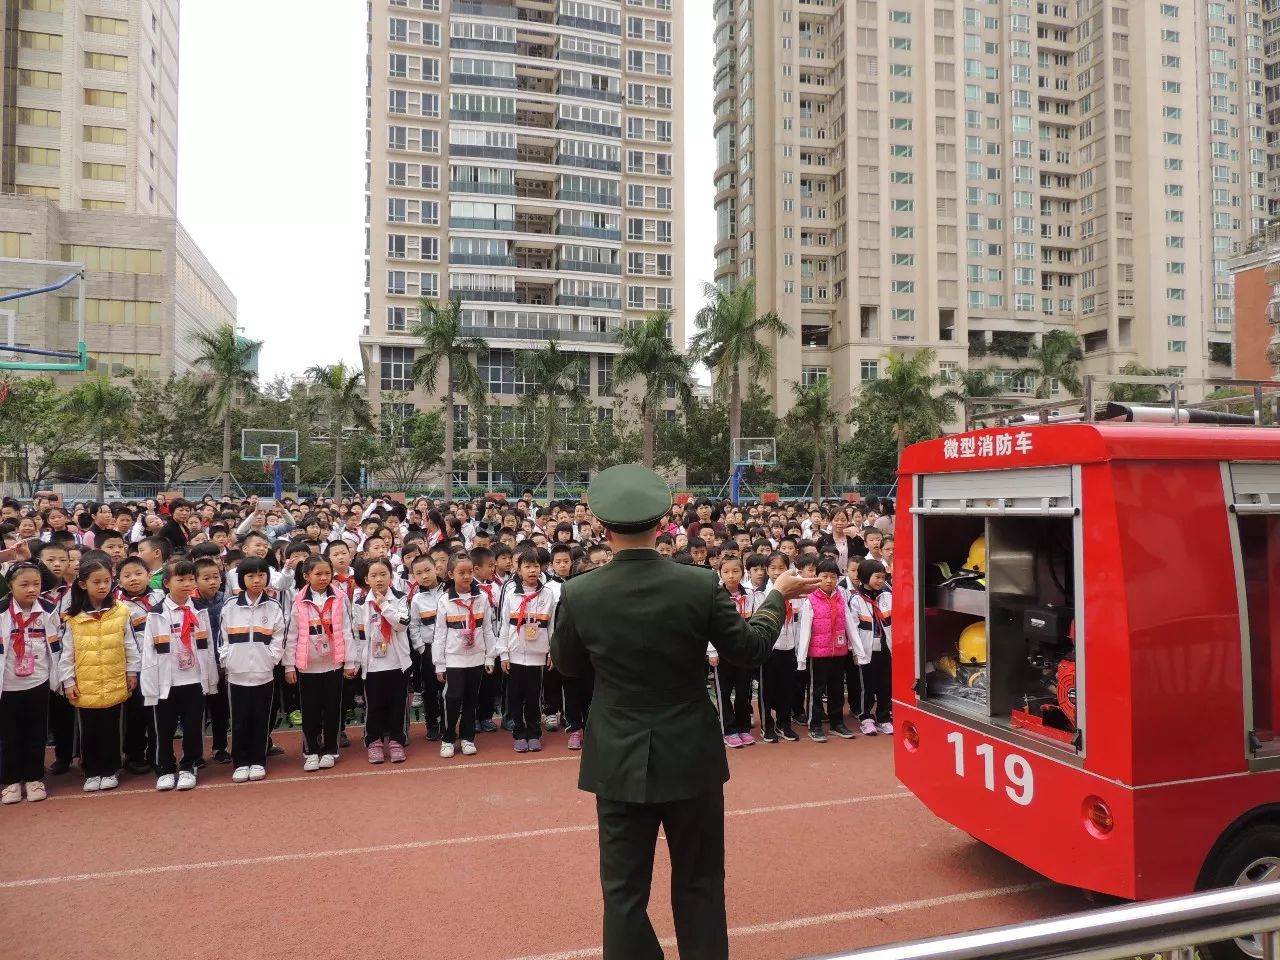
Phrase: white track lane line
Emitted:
{"points": [[389, 771], [824, 919], [395, 847]]}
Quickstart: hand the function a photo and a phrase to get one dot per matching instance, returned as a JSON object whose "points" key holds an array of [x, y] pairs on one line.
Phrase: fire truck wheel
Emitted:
{"points": [[1253, 856]]}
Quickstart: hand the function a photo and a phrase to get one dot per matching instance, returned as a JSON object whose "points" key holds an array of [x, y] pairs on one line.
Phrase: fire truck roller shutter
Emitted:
{"points": [[1255, 487], [1035, 490]]}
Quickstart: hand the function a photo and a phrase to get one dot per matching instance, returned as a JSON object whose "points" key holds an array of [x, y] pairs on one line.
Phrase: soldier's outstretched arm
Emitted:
{"points": [[567, 651], [746, 643]]}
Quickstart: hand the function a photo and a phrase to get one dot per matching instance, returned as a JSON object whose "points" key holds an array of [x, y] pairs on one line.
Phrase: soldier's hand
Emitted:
{"points": [[791, 585]]}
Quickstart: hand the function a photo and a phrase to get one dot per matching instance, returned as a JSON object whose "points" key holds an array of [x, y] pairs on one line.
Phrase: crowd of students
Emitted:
{"points": [[128, 627]]}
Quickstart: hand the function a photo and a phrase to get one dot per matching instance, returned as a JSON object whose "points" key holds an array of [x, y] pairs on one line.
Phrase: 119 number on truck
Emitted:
{"points": [[1020, 785]]}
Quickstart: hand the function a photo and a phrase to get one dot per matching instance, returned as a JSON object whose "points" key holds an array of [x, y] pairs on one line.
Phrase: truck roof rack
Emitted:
{"points": [[1262, 395]]}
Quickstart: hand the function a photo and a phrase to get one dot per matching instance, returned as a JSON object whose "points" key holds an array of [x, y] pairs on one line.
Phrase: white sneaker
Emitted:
{"points": [[257, 772], [327, 761], [468, 748], [186, 779], [11, 794], [868, 728], [241, 775], [551, 721], [311, 763], [446, 750], [886, 728], [166, 781], [109, 783], [92, 784]]}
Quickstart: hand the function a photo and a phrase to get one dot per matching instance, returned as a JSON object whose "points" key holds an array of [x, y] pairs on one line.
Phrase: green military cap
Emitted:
{"points": [[629, 498]]}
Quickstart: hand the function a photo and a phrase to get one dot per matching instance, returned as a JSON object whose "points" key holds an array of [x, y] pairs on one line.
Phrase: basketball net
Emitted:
{"points": [[269, 465], [4, 390], [759, 469]]}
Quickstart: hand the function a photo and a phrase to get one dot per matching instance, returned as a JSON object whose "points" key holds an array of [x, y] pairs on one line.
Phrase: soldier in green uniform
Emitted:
{"points": [[653, 753]]}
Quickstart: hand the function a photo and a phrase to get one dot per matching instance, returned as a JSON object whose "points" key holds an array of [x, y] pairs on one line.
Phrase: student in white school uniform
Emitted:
{"points": [[871, 609], [778, 675], [178, 672], [423, 609], [139, 727], [250, 645], [30, 646], [734, 683], [381, 616], [524, 646], [463, 651]]}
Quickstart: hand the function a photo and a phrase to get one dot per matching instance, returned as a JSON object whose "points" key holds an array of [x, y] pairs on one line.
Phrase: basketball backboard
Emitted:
{"points": [[278, 445], [755, 451], [42, 315]]}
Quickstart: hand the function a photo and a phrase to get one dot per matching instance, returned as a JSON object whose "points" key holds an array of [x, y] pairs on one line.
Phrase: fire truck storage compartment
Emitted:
{"points": [[1256, 505], [996, 634]]}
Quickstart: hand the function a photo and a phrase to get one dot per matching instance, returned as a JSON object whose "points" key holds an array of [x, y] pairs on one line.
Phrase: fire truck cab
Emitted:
{"points": [[1086, 648]]}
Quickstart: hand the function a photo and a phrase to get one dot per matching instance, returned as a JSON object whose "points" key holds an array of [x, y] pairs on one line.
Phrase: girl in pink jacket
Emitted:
{"points": [[825, 639]]}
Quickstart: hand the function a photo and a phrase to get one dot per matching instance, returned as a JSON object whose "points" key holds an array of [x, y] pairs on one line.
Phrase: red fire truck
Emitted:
{"points": [[1086, 647]]}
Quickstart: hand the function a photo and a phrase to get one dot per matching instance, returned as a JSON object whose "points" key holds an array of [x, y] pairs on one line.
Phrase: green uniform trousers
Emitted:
{"points": [[695, 841]]}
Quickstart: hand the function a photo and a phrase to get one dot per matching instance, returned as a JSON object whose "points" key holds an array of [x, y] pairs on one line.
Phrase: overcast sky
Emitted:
{"points": [[271, 165]]}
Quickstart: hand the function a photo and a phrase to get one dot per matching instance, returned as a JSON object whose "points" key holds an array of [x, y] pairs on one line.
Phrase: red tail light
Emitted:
{"points": [[910, 736], [1098, 819]]}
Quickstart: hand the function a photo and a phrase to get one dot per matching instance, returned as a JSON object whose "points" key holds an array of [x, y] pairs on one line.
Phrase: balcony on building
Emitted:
{"points": [[535, 292], [535, 186], [485, 8], [535, 78], [534, 115], [815, 331], [507, 324], [534, 223], [532, 149]]}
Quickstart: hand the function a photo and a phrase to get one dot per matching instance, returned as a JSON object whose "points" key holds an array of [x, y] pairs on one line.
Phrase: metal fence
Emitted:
{"points": [[1250, 915]]}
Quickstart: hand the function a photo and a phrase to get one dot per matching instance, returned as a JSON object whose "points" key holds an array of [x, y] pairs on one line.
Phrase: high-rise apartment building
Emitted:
{"points": [[525, 156], [88, 173], [970, 176]]}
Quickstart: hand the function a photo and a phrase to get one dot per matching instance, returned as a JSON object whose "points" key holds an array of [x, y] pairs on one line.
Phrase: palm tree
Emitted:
{"points": [[975, 383], [813, 415], [342, 398], [1140, 392], [439, 328], [1057, 358], [649, 355], [227, 359], [728, 340], [552, 375], [101, 407], [905, 396]]}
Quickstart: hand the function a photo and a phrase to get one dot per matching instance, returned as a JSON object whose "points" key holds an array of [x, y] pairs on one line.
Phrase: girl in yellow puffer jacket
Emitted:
{"points": [[100, 663]]}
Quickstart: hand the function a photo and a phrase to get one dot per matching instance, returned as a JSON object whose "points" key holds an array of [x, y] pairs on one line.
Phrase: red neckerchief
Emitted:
{"points": [[470, 604], [740, 600], [347, 584], [488, 590], [189, 623], [385, 623], [19, 632], [326, 613], [524, 606], [413, 588], [876, 612]]}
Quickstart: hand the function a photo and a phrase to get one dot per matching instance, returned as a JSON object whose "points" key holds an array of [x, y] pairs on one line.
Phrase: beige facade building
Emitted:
{"points": [[525, 156], [88, 173], [970, 176]]}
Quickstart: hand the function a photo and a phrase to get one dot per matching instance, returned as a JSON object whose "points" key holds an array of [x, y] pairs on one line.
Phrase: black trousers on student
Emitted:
{"points": [[826, 675], [139, 730], [877, 687], [800, 686], [24, 726], [100, 740], [853, 684], [524, 697], [552, 692], [432, 694], [321, 698], [735, 682], [386, 700], [695, 842], [62, 726], [250, 723], [777, 689], [185, 703], [489, 700], [461, 692], [577, 702], [218, 709]]}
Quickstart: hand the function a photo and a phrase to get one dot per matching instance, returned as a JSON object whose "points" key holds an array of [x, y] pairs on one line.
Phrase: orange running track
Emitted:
{"points": [[491, 857]]}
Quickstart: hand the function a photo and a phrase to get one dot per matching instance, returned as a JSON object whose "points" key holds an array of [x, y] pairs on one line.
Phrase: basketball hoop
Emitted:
{"points": [[4, 390], [759, 469], [268, 465]]}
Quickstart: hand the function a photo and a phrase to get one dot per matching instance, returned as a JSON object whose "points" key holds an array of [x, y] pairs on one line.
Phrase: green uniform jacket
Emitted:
{"points": [[641, 624]]}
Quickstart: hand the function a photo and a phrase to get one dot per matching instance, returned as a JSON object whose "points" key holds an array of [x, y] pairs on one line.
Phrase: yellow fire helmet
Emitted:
{"points": [[973, 644], [977, 559]]}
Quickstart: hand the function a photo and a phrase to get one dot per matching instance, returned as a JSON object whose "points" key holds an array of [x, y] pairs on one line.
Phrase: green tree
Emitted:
{"points": [[171, 425], [101, 407], [226, 358], [1057, 358], [810, 421], [553, 377], [406, 446], [37, 430], [611, 443], [728, 341], [973, 384], [439, 327], [342, 401], [649, 356], [906, 397], [700, 439], [1139, 392]]}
